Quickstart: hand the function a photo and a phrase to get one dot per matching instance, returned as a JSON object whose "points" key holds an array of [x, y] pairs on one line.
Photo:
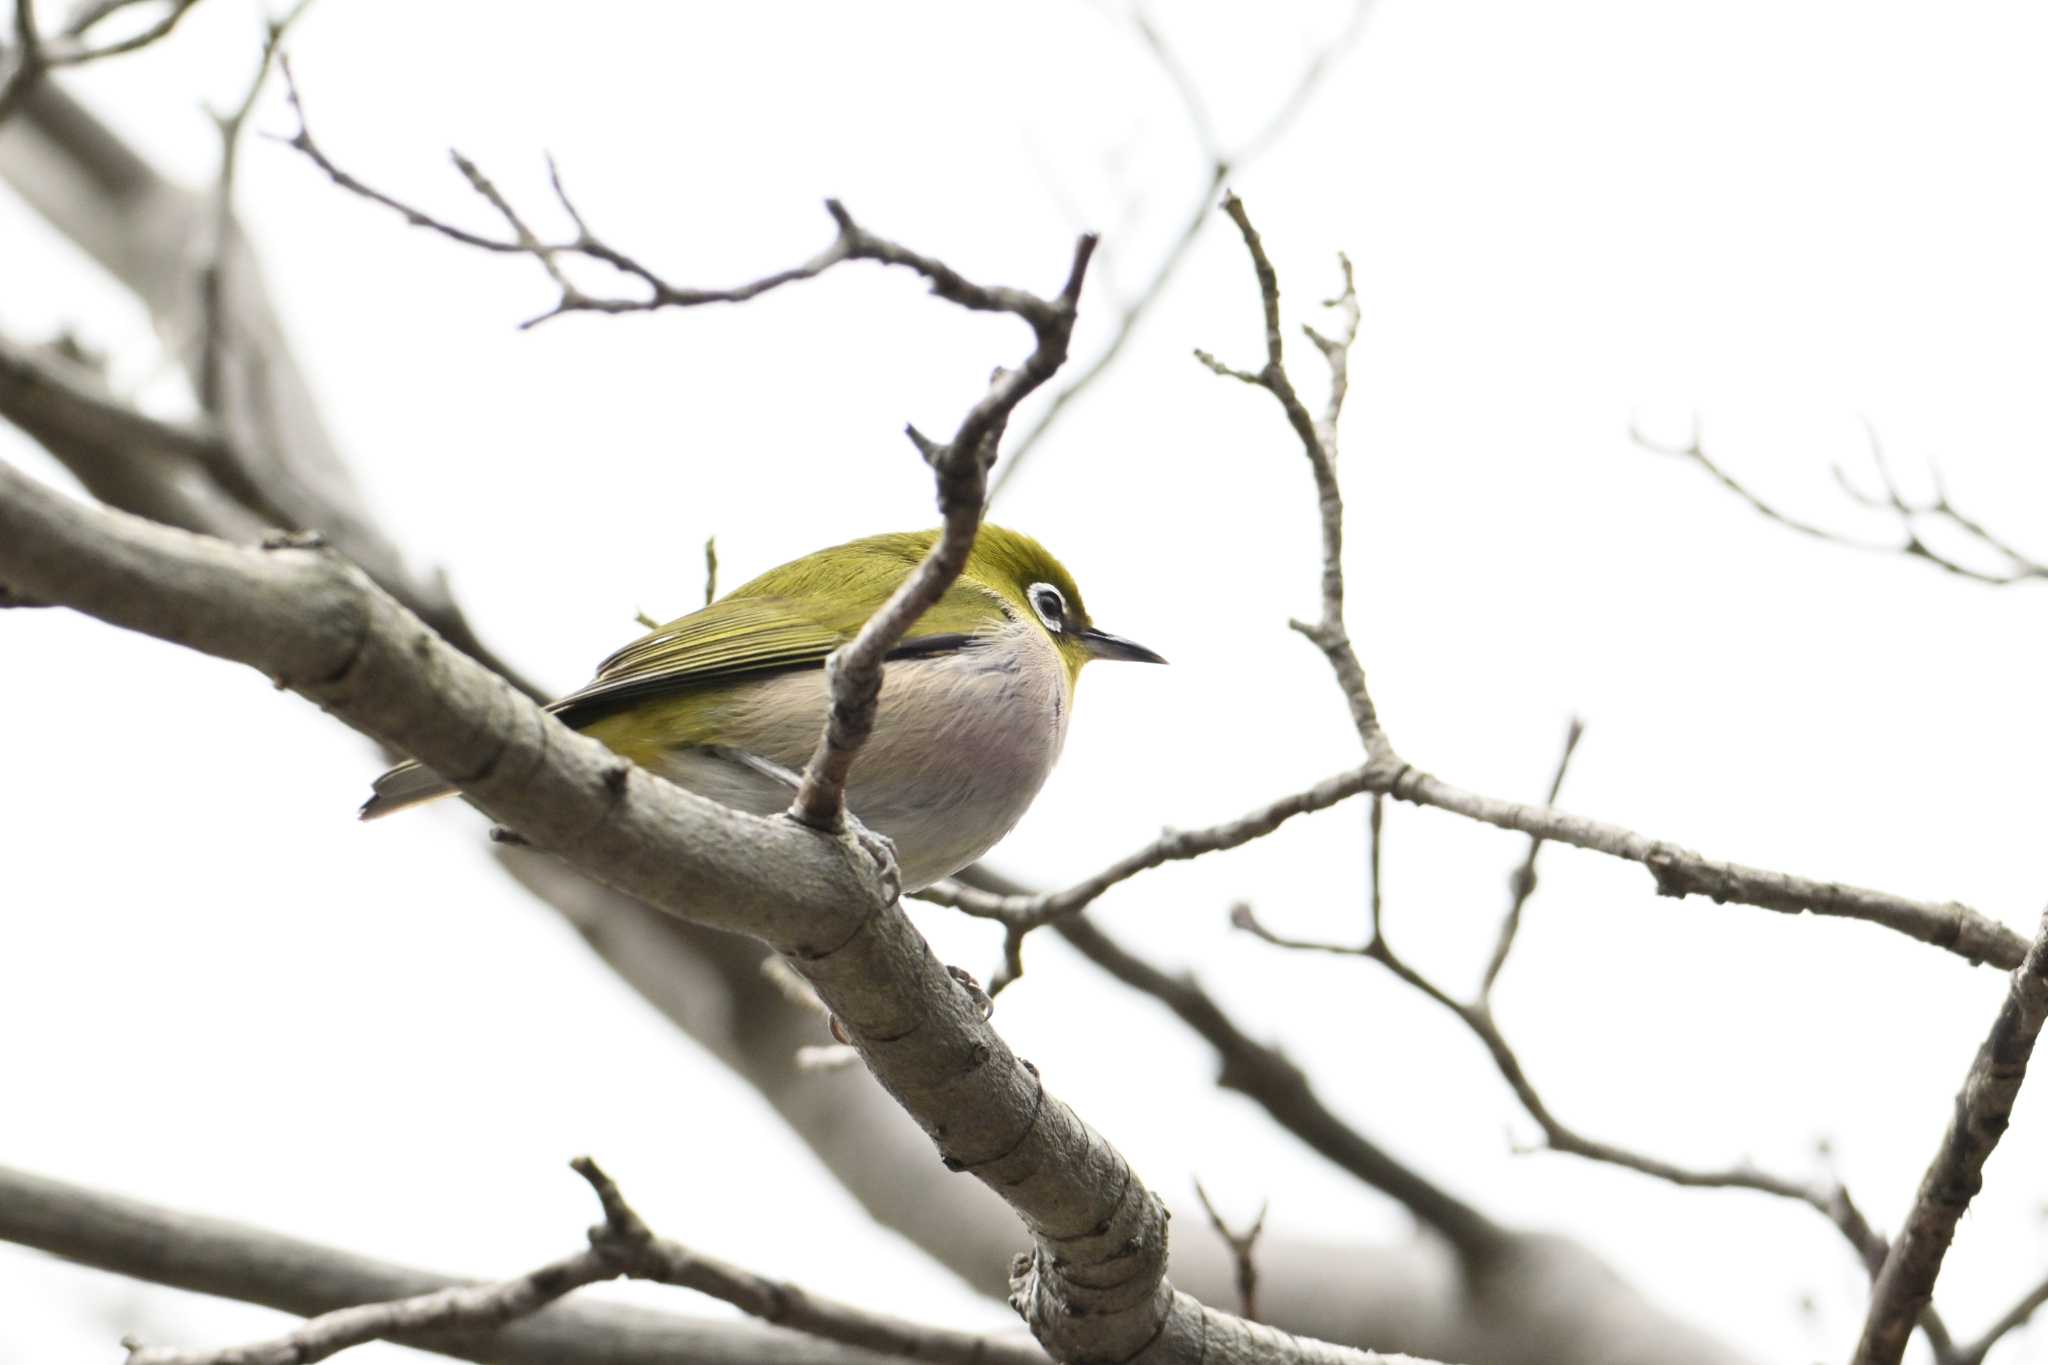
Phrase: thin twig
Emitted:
{"points": [[1973, 1352], [710, 570], [1522, 884], [1911, 515], [623, 1245], [215, 342], [1242, 1245], [30, 61], [1318, 437], [960, 465], [1025, 911], [1830, 1199], [35, 55], [1905, 1286], [1679, 872], [851, 243]]}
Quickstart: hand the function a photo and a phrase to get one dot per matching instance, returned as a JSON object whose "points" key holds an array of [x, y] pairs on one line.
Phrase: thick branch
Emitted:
{"points": [[273, 455], [1266, 1076], [1983, 1108]]}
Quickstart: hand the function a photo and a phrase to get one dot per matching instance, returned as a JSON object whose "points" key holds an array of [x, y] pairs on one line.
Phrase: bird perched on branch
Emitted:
{"points": [[729, 701]]}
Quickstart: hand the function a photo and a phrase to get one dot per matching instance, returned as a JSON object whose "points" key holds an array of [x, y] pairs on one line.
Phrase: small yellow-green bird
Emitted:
{"points": [[729, 701]]}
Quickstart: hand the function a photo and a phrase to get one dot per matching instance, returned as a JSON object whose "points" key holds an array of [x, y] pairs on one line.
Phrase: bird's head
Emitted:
{"points": [[1037, 588]]}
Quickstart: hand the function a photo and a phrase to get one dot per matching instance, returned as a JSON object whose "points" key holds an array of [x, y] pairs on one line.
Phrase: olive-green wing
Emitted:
{"points": [[732, 638]]}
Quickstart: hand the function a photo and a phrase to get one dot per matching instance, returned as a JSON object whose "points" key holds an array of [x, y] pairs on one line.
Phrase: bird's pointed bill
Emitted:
{"points": [[1103, 645]]}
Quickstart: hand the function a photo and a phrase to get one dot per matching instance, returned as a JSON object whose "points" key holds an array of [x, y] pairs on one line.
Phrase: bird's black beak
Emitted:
{"points": [[1102, 645]]}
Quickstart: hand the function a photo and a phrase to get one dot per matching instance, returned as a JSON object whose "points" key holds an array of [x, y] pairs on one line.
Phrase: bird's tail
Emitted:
{"points": [[406, 785]]}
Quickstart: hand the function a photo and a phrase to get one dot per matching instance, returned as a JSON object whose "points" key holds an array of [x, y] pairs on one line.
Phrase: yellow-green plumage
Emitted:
{"points": [[729, 699]]}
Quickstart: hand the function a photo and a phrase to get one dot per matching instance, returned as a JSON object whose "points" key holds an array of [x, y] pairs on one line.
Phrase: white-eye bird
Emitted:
{"points": [[729, 701]]}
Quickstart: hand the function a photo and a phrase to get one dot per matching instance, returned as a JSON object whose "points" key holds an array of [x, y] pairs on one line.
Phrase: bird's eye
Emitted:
{"points": [[1050, 606]]}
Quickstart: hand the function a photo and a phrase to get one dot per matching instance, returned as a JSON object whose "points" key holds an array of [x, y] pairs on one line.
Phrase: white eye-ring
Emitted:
{"points": [[1050, 605]]}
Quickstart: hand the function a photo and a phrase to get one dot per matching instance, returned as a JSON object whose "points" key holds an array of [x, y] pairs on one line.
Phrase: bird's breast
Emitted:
{"points": [[962, 743]]}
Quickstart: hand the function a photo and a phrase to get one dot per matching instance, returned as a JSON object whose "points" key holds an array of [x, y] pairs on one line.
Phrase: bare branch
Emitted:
{"points": [[471, 1308], [1983, 1108], [1025, 912], [710, 570], [622, 1245], [2011, 1320], [1679, 872], [853, 243], [1831, 1200], [34, 54], [213, 307], [1522, 884], [628, 1241], [1911, 516], [30, 60], [1319, 442], [961, 466], [233, 1260], [274, 464], [1265, 1075], [1242, 1246]]}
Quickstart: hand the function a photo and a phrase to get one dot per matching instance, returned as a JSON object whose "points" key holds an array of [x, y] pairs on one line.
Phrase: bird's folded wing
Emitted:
{"points": [[735, 637]]}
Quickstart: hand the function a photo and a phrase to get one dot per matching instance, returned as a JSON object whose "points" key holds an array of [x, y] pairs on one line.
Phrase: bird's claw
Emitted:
{"points": [[882, 850]]}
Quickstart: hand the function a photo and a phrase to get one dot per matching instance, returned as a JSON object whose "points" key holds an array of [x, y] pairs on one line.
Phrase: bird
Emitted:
{"points": [[729, 701]]}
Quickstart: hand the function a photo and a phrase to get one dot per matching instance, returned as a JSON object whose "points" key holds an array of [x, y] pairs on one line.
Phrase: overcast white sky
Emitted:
{"points": [[1790, 218]]}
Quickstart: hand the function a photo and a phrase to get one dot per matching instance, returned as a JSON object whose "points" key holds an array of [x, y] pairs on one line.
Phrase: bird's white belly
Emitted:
{"points": [[961, 745]]}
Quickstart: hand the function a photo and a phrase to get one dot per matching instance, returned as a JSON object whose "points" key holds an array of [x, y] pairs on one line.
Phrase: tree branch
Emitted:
{"points": [[1832, 1200], [1266, 1076], [1022, 912], [216, 339], [1983, 1108], [961, 466], [1522, 884], [1911, 515], [1243, 1248], [2012, 1319], [233, 1260], [1318, 438], [270, 456], [36, 55], [1678, 872], [621, 1245]]}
